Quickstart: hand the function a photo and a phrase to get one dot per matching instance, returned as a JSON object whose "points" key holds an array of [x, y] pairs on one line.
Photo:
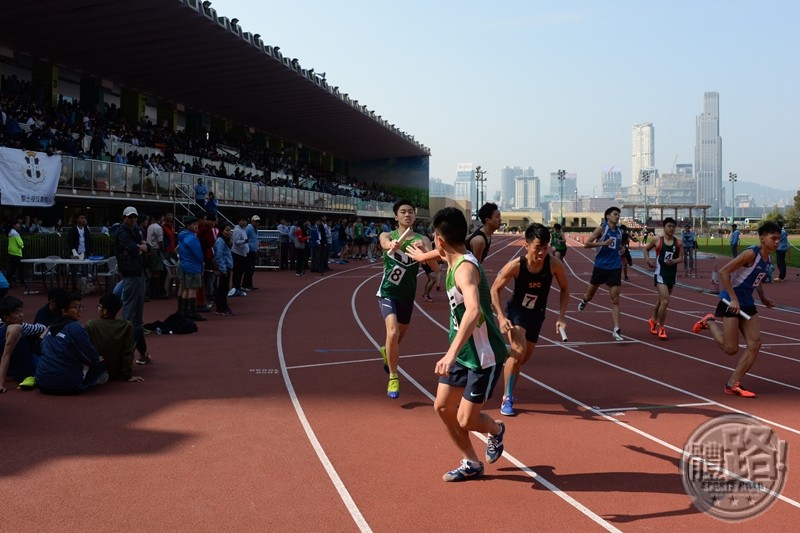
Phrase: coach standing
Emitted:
{"points": [[131, 251]]}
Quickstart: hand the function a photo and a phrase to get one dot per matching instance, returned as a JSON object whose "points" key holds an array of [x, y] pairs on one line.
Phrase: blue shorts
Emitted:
{"points": [[477, 384], [401, 308], [530, 321]]}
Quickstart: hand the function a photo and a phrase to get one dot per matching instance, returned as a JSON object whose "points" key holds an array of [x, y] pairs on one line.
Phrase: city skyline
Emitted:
{"points": [[557, 86]]}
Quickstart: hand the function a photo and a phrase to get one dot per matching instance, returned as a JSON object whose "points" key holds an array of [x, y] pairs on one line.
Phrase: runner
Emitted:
{"points": [[627, 260], [607, 237], [478, 243], [739, 277], [669, 253], [525, 312], [558, 241], [689, 243], [398, 286], [469, 370]]}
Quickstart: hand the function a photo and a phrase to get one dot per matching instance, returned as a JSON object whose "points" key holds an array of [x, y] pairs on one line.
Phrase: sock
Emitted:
{"points": [[510, 385], [393, 376], [191, 307]]}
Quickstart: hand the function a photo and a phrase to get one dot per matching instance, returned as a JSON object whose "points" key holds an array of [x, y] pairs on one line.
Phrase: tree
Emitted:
{"points": [[792, 215]]}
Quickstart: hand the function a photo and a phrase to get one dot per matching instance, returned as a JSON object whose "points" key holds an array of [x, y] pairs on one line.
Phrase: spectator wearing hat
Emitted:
{"points": [[190, 268], [131, 251], [252, 253]]}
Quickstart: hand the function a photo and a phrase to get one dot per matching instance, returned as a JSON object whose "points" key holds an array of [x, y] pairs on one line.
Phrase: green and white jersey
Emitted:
{"points": [[486, 347], [399, 280]]}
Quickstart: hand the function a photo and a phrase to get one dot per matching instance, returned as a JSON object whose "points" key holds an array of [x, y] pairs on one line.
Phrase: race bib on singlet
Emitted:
{"points": [[396, 274], [529, 301], [667, 256], [758, 279], [613, 242]]}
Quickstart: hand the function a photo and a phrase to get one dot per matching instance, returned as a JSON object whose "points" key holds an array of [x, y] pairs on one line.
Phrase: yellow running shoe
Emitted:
{"points": [[393, 389]]}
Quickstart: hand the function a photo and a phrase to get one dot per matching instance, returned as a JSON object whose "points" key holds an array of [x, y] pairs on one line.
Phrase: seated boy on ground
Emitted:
{"points": [[69, 363], [113, 339], [18, 362]]}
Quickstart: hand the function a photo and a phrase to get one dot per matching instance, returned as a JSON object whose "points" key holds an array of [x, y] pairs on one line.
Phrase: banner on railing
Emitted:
{"points": [[28, 178]]}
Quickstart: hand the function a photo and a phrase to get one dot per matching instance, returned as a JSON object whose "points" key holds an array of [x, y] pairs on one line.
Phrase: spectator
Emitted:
{"points": [[239, 249], [212, 206], [69, 363], [15, 246], [49, 311], [120, 158], [131, 249], [190, 268], [17, 362], [200, 193], [113, 339], [252, 254], [79, 240], [4, 285], [283, 237], [301, 258], [155, 261], [224, 262], [207, 234]]}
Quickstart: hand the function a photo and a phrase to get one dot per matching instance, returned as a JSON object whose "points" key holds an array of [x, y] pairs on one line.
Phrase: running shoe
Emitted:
{"points": [[28, 383], [427, 298], [382, 349], [582, 305], [393, 389], [738, 390], [144, 359], [702, 323], [653, 326], [466, 470], [494, 444], [507, 407], [662, 333], [617, 334], [438, 287]]}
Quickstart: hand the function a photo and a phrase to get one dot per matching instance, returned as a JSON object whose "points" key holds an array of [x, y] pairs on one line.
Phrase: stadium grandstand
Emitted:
{"points": [[140, 99]]}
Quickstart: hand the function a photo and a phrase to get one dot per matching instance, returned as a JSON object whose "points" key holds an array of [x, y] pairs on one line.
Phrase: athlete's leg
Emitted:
{"points": [[516, 354], [751, 329], [394, 334], [726, 334], [446, 405], [590, 290], [663, 302], [613, 292]]}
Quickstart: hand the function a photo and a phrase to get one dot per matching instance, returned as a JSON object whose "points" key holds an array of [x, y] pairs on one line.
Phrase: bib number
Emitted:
{"points": [[529, 301], [758, 279], [396, 275], [667, 256]]}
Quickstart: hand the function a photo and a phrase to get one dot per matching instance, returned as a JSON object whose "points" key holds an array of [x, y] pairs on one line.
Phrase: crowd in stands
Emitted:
{"points": [[28, 121]]}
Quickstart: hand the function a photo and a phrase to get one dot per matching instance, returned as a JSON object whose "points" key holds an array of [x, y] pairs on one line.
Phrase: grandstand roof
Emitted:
{"points": [[182, 51]]}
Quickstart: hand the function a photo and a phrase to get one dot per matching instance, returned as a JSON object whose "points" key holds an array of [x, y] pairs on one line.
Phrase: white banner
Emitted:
{"points": [[28, 178]]}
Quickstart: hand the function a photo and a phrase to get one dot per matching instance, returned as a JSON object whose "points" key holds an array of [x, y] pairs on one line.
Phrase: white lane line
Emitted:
{"points": [[506, 455], [348, 501], [651, 407], [371, 360]]}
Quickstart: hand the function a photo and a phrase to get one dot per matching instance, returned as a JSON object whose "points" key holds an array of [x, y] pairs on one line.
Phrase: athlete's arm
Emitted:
{"points": [[592, 242], [561, 277], [743, 259], [467, 278], [764, 300], [679, 258], [507, 273], [650, 246], [478, 245], [387, 243], [431, 256]]}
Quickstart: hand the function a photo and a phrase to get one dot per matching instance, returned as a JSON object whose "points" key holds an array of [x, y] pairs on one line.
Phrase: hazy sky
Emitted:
{"points": [[557, 84]]}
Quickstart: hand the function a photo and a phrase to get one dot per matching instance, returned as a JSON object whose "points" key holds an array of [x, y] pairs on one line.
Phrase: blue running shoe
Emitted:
{"points": [[465, 471], [494, 444], [393, 389], [507, 407]]}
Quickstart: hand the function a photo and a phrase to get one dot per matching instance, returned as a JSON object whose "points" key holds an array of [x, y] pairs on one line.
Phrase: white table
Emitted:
{"points": [[61, 266]]}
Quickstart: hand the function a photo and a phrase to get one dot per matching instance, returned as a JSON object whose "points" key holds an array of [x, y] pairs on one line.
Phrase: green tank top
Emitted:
{"points": [[486, 346], [399, 280]]}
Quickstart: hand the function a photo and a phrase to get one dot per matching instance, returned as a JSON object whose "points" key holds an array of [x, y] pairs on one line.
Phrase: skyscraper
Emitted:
{"points": [[708, 154], [570, 185], [611, 183], [526, 192], [507, 175], [465, 184], [643, 149]]}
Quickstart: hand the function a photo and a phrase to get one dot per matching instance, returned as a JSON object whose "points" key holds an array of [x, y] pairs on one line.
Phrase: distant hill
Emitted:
{"points": [[756, 190]]}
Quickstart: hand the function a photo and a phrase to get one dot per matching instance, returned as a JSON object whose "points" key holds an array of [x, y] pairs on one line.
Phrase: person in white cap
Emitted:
{"points": [[131, 250], [252, 253]]}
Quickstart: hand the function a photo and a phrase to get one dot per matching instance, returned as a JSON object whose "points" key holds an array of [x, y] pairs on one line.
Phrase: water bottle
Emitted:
{"points": [[158, 331]]}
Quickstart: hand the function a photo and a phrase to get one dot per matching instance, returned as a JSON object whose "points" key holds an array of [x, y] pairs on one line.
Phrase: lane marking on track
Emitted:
{"points": [[506, 455], [338, 484], [650, 407], [372, 360]]}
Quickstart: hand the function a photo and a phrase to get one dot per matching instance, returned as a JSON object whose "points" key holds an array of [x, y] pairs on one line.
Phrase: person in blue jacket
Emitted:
{"points": [[223, 259], [190, 268], [69, 363]]}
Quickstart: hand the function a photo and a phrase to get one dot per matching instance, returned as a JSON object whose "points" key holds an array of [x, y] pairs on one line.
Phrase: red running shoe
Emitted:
{"points": [[738, 390], [702, 323]]}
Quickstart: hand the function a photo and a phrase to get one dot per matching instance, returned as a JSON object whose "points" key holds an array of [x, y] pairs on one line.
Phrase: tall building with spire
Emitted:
{"points": [[708, 154], [643, 150]]}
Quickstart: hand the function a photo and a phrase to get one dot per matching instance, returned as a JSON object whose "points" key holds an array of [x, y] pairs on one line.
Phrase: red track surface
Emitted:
{"points": [[277, 420]]}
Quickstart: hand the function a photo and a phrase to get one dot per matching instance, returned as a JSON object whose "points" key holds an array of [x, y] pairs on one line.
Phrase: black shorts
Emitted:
{"points": [[722, 311], [627, 257], [401, 308], [562, 252], [530, 321], [603, 276], [477, 384]]}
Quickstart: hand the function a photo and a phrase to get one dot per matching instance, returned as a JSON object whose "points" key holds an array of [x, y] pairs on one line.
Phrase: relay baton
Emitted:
{"points": [[563, 333], [741, 313], [405, 233]]}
